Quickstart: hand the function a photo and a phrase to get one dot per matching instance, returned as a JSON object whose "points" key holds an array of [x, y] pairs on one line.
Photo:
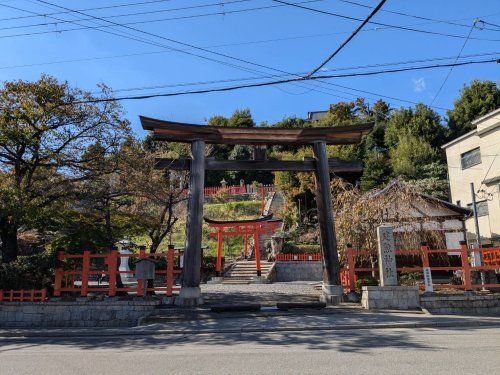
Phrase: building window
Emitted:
{"points": [[470, 158], [481, 206]]}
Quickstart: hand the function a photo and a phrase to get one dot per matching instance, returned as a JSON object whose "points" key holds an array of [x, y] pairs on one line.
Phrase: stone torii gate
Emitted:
{"points": [[259, 137]]}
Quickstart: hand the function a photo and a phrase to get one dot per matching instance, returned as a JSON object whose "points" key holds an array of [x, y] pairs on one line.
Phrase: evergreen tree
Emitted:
{"points": [[475, 100]]}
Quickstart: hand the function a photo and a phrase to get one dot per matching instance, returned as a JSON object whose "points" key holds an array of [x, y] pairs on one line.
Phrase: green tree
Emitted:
{"points": [[421, 122], [376, 170], [475, 100], [410, 153], [45, 130]]}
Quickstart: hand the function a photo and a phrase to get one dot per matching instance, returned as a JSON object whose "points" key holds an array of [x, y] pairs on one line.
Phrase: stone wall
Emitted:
{"points": [[107, 313], [299, 271], [390, 297], [462, 304]]}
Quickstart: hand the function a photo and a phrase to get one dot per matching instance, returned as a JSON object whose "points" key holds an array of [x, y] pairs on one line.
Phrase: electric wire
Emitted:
{"points": [[389, 26], [451, 68], [277, 82], [347, 40], [296, 5]]}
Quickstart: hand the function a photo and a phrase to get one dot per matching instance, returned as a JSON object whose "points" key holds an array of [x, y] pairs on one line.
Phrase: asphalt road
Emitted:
{"points": [[380, 351]]}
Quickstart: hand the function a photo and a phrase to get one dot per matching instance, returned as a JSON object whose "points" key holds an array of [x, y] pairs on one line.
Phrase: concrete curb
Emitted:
{"points": [[134, 331]]}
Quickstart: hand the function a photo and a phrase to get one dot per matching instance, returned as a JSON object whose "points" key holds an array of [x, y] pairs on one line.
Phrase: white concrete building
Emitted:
{"points": [[474, 157]]}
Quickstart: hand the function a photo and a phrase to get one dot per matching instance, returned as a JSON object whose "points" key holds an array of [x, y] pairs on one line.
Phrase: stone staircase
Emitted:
{"points": [[243, 271], [274, 203]]}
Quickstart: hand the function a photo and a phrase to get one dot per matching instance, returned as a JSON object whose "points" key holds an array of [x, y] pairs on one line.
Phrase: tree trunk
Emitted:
{"points": [[8, 236]]}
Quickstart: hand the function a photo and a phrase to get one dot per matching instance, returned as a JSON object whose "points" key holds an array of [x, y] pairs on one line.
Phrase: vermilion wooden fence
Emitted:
{"points": [[230, 190], [84, 270], [491, 258], [298, 257], [23, 295]]}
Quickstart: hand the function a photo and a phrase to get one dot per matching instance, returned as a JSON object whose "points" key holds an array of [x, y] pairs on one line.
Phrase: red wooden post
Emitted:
{"points": [[43, 296], [58, 282], [351, 264], [32, 297], [464, 255], [425, 255], [85, 272], [256, 249], [140, 283], [58, 274], [112, 263], [11, 295], [170, 270], [1, 295], [218, 264]]}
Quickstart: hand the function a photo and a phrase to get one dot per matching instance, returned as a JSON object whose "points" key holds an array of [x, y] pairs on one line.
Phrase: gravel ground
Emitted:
{"points": [[265, 294]]}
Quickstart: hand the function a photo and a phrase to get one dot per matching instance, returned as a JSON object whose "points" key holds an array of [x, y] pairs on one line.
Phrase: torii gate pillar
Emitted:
{"points": [[190, 294], [332, 288]]}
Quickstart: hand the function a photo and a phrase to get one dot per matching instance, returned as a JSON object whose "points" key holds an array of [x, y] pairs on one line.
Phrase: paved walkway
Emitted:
{"points": [[265, 294]]}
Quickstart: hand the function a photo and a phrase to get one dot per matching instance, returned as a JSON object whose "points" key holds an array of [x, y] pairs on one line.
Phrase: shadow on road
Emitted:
{"points": [[358, 341]]}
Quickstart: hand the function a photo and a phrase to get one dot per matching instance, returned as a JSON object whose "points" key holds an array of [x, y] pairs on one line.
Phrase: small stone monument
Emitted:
{"points": [[386, 256], [145, 270], [389, 295]]}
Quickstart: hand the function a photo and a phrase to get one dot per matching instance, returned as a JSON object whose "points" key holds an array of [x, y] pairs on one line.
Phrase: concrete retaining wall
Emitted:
{"points": [[299, 271], [108, 313], [460, 304]]}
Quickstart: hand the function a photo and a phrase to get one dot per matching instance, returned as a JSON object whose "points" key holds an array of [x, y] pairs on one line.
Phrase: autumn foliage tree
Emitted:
{"points": [[46, 128]]}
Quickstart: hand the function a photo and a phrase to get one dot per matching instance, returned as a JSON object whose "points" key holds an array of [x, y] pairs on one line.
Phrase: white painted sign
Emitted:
{"points": [[386, 256], [428, 279]]}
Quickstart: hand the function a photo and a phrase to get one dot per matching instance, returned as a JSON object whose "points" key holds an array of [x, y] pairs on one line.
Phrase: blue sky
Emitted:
{"points": [[282, 37]]}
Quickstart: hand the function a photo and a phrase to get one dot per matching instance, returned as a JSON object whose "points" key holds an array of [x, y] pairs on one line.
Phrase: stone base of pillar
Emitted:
{"points": [[352, 297], [331, 294], [189, 296], [215, 280], [390, 297]]}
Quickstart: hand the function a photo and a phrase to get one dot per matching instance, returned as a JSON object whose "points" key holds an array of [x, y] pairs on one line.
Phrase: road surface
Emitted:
{"points": [[376, 351]]}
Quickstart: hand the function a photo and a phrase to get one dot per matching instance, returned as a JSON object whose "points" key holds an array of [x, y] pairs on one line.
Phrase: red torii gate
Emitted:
{"points": [[253, 227]]}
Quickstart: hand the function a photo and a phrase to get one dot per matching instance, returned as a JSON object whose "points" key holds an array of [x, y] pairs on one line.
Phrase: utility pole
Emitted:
{"points": [[477, 259]]}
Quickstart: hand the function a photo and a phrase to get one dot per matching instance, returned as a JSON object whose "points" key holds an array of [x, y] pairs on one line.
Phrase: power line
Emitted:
{"points": [[296, 5], [385, 26], [451, 69], [246, 43], [201, 48], [136, 38], [277, 82], [224, 55], [346, 41], [90, 17], [153, 12], [377, 95], [489, 23], [189, 45], [433, 20], [84, 10]]}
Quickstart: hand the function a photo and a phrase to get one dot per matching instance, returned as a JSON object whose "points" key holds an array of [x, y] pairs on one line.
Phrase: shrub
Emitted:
{"points": [[209, 265], [410, 278], [29, 272], [295, 248], [365, 281]]}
